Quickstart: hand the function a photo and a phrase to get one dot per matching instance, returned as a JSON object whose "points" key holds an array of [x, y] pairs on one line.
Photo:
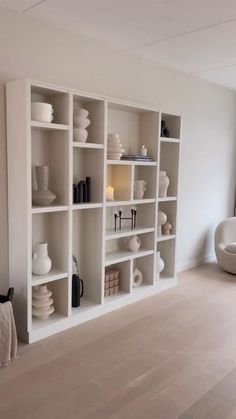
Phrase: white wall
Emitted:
{"points": [[39, 51]]}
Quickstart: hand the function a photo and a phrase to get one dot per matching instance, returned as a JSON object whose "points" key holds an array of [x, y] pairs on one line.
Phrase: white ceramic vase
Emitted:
{"points": [[162, 218], [42, 197], [114, 147], [42, 112], [140, 187], [137, 278], [41, 262], [81, 122], [133, 243], [160, 264], [42, 302], [163, 184]]}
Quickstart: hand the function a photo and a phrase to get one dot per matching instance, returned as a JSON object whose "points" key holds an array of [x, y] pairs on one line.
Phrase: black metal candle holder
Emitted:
{"points": [[132, 218]]}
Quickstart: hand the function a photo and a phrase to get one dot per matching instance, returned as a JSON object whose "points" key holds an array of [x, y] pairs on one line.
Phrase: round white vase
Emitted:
{"points": [[164, 182], [42, 303], [41, 262], [160, 264]]}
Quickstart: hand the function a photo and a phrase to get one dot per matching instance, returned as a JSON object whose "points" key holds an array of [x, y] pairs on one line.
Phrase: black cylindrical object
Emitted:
{"points": [[88, 184], [164, 130], [77, 290], [75, 194]]}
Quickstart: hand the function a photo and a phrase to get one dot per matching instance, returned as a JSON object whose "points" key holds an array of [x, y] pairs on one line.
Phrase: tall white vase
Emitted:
{"points": [[41, 262], [163, 184], [42, 302], [81, 122], [42, 197]]}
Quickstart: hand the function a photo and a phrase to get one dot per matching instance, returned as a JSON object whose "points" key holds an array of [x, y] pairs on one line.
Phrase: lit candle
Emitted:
{"points": [[143, 151], [110, 193]]}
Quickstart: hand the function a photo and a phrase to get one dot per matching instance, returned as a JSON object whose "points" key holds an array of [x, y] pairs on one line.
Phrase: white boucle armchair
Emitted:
{"points": [[225, 238]]}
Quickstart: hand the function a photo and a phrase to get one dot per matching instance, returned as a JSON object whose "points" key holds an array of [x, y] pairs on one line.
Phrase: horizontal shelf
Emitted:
{"points": [[49, 126], [169, 140], [163, 237], [131, 202], [132, 163], [115, 297], [52, 208], [125, 232], [167, 199], [40, 324], [88, 145], [87, 205], [53, 275], [123, 255]]}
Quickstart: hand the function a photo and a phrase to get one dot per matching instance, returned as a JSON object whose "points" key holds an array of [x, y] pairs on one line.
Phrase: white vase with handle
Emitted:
{"points": [[134, 243], [41, 262]]}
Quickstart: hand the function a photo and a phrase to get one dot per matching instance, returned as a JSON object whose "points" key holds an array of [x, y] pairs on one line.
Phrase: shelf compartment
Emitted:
{"points": [[120, 178], [88, 145], [53, 228], [51, 148], [58, 99], [52, 208], [167, 253], [60, 302], [145, 220], [148, 174], [135, 126], [87, 233], [170, 209], [89, 163], [146, 266], [169, 162], [123, 255], [124, 269], [96, 109], [173, 123], [53, 275]]}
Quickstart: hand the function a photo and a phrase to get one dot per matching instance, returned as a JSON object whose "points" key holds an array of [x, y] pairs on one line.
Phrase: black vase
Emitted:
{"points": [[77, 290], [164, 130]]}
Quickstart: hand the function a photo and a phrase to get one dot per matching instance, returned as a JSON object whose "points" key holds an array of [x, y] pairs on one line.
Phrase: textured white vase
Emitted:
{"points": [[137, 278], [114, 147], [42, 303], [140, 187], [41, 262], [81, 122], [42, 196], [162, 218], [163, 184]]}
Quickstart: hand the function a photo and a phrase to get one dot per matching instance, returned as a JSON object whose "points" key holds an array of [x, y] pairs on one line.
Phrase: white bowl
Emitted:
{"points": [[41, 112]]}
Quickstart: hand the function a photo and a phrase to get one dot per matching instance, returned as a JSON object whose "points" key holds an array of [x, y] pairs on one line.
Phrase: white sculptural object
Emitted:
{"points": [[42, 303], [163, 184], [81, 122], [167, 228], [162, 218]]}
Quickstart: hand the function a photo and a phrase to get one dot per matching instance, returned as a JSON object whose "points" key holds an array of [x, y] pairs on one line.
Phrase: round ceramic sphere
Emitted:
{"points": [[160, 265], [162, 218]]}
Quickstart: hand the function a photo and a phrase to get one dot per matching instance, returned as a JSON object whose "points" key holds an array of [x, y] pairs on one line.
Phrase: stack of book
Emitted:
{"points": [[135, 157]]}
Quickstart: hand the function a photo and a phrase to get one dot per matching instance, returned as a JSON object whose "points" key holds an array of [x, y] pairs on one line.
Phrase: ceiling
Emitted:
{"points": [[197, 37]]}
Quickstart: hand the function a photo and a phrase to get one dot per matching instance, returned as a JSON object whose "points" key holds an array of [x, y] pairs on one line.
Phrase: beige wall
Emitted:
{"points": [[39, 51]]}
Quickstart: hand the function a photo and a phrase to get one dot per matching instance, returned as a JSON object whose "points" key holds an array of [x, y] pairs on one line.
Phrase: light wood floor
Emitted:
{"points": [[170, 356]]}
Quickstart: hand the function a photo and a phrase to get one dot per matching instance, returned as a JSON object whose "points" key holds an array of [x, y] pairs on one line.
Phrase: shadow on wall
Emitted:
{"points": [[3, 194], [204, 244]]}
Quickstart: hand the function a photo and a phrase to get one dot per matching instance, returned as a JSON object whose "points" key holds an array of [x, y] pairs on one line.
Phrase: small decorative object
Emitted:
{"points": [[143, 151], [163, 184], [82, 191], [164, 130], [110, 193], [167, 228], [114, 147], [42, 197], [160, 264], [42, 303], [41, 262], [140, 186], [81, 122], [137, 278], [41, 112], [118, 216], [111, 285], [162, 218], [77, 286], [133, 243]]}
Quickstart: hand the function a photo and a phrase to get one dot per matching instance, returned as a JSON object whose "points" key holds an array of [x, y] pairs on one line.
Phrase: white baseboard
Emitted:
{"points": [[195, 262]]}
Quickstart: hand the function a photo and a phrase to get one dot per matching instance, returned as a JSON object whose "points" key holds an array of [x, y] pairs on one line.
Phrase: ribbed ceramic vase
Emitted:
{"points": [[42, 302]]}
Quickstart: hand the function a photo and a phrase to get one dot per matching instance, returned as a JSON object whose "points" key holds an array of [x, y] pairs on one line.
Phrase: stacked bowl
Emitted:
{"points": [[114, 147]]}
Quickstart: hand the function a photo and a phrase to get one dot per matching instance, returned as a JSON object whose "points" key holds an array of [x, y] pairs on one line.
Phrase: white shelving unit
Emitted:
{"points": [[86, 229]]}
